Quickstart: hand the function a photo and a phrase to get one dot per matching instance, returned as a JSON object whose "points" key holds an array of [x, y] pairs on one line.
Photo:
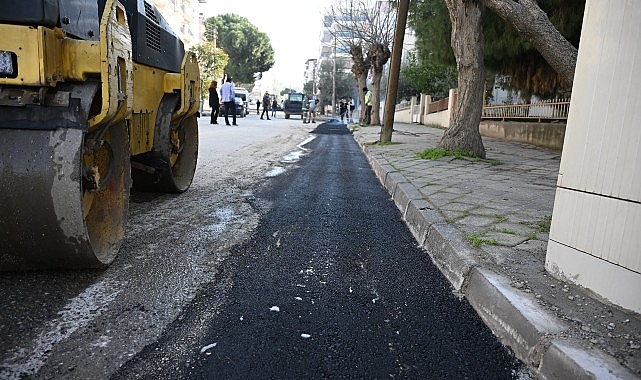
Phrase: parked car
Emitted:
{"points": [[244, 95], [241, 109]]}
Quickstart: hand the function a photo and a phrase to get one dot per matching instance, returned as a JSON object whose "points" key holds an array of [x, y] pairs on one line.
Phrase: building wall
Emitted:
{"points": [[595, 237], [182, 15]]}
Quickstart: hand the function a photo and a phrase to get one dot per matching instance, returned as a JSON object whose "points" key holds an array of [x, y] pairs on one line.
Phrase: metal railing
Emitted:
{"points": [[556, 109]]}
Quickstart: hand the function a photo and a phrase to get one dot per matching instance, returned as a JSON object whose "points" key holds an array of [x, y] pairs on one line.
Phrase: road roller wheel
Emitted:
{"points": [[65, 197], [106, 184], [175, 153]]}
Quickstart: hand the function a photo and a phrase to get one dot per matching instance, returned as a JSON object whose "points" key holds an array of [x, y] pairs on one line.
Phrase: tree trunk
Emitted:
{"points": [[378, 54], [533, 24], [467, 44], [360, 67]]}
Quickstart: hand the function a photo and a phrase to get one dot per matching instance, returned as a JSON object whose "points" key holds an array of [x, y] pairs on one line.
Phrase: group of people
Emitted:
{"points": [[227, 95], [346, 109], [266, 104]]}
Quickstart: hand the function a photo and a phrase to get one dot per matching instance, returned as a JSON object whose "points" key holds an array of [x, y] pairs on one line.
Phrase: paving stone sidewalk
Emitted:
{"points": [[485, 224]]}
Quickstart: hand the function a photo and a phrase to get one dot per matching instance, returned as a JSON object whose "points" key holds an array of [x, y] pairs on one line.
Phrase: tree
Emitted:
{"points": [[467, 45], [427, 77], [250, 51], [211, 61], [507, 53], [344, 81], [533, 24], [366, 28], [287, 91]]}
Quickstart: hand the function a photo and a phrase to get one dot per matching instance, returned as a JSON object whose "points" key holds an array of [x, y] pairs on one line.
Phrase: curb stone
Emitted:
{"points": [[528, 330]]}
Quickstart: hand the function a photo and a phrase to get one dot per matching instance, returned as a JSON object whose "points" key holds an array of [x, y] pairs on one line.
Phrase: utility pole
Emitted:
{"points": [[394, 71], [334, 81]]}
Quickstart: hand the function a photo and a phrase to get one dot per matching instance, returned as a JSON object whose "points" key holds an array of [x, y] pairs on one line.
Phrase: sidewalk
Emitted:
{"points": [[485, 225]]}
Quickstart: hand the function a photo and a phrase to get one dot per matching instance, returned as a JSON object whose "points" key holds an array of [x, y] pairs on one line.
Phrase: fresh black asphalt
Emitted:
{"points": [[331, 285]]}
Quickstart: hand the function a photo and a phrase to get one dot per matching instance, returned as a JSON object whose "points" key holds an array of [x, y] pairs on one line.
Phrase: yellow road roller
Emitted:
{"points": [[96, 96]]}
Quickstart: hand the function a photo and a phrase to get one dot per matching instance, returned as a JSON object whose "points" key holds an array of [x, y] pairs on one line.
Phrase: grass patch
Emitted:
{"points": [[501, 218], [544, 225], [506, 231], [436, 153], [477, 239]]}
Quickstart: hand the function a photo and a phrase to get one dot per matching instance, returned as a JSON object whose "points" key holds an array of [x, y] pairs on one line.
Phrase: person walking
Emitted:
{"points": [[257, 106], [368, 106], [350, 116], [266, 104], [228, 95], [214, 102], [342, 109], [274, 107]]}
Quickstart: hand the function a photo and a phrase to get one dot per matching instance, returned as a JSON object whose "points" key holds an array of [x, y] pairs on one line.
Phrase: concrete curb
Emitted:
{"points": [[513, 316]]}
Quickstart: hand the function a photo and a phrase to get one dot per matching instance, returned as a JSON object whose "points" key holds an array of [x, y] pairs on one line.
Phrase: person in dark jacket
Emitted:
{"points": [[266, 104], [214, 102]]}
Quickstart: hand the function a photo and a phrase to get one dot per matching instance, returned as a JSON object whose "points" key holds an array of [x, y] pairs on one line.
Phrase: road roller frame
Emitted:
{"points": [[76, 117]]}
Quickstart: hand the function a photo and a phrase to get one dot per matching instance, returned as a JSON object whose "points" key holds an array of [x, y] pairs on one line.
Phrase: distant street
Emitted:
{"points": [[330, 285]]}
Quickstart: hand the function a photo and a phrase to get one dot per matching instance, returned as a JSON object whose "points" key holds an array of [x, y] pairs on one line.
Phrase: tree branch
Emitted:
{"points": [[535, 26]]}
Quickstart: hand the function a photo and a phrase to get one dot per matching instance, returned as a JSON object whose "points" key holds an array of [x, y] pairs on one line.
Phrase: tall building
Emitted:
{"points": [[183, 16]]}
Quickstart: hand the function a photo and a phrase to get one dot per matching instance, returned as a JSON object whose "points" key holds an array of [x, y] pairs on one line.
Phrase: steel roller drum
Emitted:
{"points": [[47, 220]]}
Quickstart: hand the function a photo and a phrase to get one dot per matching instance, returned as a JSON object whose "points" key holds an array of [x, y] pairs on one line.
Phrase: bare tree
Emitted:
{"points": [[365, 26]]}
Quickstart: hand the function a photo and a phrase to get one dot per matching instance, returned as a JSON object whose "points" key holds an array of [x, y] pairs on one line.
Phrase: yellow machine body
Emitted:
{"points": [[85, 115]]}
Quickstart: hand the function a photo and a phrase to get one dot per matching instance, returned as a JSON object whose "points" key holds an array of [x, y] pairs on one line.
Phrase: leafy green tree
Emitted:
{"points": [[344, 81], [308, 88], [211, 61], [428, 77], [287, 91], [250, 51]]}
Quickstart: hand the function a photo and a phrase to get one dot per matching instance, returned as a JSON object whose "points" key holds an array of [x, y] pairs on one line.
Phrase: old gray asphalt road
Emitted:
{"points": [[330, 285], [85, 324]]}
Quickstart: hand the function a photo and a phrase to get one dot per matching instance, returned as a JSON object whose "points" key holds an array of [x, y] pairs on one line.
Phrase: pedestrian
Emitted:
{"points": [[274, 107], [342, 109], [266, 104], [352, 107], [257, 106], [368, 106], [311, 112], [228, 95], [214, 102]]}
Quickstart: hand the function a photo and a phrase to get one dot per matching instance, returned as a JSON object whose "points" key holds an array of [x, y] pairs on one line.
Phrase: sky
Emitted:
{"points": [[293, 28]]}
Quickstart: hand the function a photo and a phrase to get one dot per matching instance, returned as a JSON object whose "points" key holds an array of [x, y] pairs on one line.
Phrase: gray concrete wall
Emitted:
{"points": [[547, 135]]}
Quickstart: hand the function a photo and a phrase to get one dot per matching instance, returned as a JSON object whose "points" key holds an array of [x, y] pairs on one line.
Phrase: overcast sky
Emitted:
{"points": [[293, 28]]}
